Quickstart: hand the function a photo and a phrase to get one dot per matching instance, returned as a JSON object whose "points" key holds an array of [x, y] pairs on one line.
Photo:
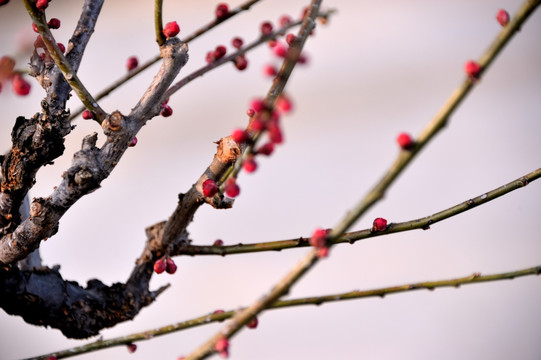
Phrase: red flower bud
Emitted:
{"points": [[41, 5], [170, 266], [209, 188], [87, 115], [231, 189], [54, 23], [284, 20], [266, 28], [266, 149], [503, 17], [249, 165], [405, 141], [473, 69], [239, 135], [20, 86], [219, 52], [159, 266], [240, 62], [253, 323], [284, 104], [237, 42], [171, 29], [218, 242], [222, 10], [166, 111], [132, 63], [319, 238], [379, 224]]}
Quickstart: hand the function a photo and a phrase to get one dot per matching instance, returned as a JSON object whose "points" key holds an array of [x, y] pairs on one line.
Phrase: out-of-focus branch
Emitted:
{"points": [[475, 278]]}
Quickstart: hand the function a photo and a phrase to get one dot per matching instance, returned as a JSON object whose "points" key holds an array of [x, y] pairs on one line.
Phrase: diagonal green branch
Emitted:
{"points": [[475, 278], [60, 60]]}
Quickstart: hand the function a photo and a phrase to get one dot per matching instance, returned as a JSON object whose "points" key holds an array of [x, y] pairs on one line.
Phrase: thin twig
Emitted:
{"points": [[158, 23], [352, 237], [474, 278]]}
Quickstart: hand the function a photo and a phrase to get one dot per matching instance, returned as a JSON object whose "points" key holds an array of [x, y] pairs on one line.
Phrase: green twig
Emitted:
{"points": [[63, 64], [315, 300], [158, 24]]}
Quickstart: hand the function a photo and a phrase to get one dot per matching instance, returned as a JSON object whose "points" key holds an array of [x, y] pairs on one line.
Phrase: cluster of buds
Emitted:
{"points": [[165, 264]]}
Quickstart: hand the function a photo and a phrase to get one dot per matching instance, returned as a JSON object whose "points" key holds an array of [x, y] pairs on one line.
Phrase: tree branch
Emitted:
{"points": [[354, 236], [91, 165], [39, 140], [475, 278]]}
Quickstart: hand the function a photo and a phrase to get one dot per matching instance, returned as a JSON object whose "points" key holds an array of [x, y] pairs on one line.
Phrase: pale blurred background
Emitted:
{"points": [[378, 68]]}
